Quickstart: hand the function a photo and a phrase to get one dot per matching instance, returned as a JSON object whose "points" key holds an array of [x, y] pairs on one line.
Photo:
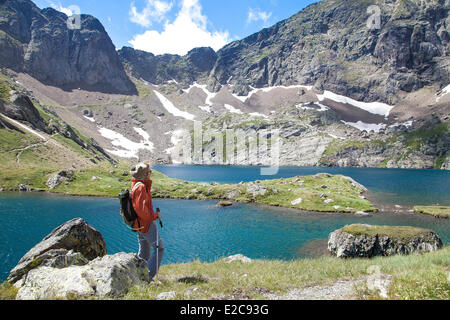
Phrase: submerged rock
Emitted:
{"points": [[225, 204], [366, 241]]}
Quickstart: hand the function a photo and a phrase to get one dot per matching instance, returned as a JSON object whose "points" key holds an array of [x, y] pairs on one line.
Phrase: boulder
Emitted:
{"points": [[76, 237], [256, 189], [366, 241], [238, 257], [107, 276], [58, 178], [225, 204]]}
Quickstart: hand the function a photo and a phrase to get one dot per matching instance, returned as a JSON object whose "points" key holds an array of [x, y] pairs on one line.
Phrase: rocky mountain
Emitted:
{"points": [[328, 45], [340, 92], [40, 43], [197, 64]]}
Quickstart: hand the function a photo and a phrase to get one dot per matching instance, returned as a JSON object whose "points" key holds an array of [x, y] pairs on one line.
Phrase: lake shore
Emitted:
{"points": [[320, 192], [317, 193]]}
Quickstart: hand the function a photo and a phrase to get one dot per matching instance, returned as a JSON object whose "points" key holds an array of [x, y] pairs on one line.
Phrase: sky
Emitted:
{"points": [[177, 26]]}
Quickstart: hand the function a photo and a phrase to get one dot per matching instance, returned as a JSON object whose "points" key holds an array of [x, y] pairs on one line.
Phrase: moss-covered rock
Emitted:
{"points": [[367, 241], [436, 211]]}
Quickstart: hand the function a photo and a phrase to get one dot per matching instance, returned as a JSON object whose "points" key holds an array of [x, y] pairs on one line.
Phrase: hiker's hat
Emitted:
{"points": [[140, 171]]}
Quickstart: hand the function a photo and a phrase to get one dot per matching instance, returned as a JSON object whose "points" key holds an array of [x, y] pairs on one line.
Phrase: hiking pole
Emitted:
{"points": [[160, 221], [157, 243]]}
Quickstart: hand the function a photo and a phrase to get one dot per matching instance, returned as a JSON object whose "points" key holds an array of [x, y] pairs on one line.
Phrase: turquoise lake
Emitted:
{"points": [[200, 230]]}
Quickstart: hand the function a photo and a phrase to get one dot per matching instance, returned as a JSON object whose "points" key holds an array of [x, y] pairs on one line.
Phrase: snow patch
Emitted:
{"points": [[91, 119], [257, 114], [232, 109], [335, 137], [176, 137], [268, 89], [444, 92], [304, 106], [205, 108], [172, 109], [128, 149], [372, 107], [203, 87], [366, 126], [406, 124]]}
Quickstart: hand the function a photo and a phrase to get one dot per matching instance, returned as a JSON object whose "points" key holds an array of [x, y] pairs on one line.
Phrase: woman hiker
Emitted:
{"points": [[148, 235]]}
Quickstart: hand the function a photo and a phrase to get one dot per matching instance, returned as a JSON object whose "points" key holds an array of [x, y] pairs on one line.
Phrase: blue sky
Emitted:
{"points": [[176, 26]]}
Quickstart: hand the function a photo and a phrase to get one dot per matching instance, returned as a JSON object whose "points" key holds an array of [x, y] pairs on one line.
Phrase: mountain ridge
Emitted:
{"points": [[314, 76]]}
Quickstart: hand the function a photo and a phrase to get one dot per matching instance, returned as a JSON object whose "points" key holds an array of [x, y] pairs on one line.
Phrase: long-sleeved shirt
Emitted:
{"points": [[142, 203]]}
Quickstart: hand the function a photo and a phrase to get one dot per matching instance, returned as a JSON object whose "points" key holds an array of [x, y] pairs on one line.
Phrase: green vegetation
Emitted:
{"points": [[143, 90], [4, 90], [413, 277], [436, 211], [416, 139], [338, 145], [394, 232], [8, 291], [342, 195]]}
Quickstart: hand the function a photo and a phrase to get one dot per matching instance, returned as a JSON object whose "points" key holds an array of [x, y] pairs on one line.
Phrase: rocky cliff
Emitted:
{"points": [[40, 43], [329, 45], [161, 69]]}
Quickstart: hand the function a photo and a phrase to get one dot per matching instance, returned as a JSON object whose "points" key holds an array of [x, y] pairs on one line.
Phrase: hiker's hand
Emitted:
{"points": [[158, 215]]}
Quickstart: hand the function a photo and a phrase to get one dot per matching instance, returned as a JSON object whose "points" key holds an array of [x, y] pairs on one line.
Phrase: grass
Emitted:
{"points": [[395, 232], [338, 145], [436, 211], [413, 277], [12, 139], [342, 196], [4, 90], [281, 192]]}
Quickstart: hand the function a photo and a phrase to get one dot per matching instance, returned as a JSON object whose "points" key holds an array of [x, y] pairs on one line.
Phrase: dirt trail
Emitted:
{"points": [[340, 290]]}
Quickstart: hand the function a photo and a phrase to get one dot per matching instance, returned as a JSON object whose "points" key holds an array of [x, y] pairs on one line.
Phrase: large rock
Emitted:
{"points": [[58, 178], [76, 237], [108, 276], [365, 241]]}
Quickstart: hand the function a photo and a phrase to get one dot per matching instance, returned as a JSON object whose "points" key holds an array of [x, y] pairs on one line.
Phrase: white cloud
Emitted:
{"points": [[155, 10], [69, 11], [256, 15], [188, 30]]}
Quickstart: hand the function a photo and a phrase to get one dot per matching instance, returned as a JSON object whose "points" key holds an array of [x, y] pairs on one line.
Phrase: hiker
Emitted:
{"points": [[148, 235]]}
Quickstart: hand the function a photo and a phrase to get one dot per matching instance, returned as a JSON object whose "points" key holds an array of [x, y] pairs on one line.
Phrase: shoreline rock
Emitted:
{"points": [[366, 241], [73, 242], [107, 276], [72, 262]]}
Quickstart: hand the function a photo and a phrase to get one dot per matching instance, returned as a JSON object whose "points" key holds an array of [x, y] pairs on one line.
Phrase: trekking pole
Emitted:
{"points": [[157, 243]]}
